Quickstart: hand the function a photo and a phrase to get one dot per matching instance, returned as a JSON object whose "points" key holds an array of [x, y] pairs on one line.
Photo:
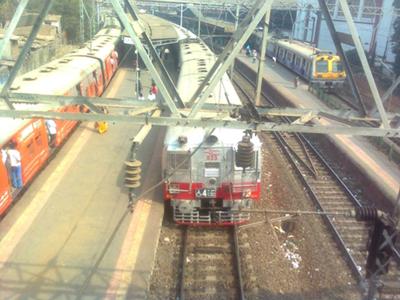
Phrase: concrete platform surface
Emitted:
{"points": [[372, 162], [71, 235]]}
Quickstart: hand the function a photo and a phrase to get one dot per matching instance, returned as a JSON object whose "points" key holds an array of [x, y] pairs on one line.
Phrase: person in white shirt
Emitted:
{"points": [[151, 96], [52, 129], [15, 161]]}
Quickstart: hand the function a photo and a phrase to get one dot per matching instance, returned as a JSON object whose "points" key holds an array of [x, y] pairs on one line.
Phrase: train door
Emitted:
{"points": [[5, 195], [33, 146]]}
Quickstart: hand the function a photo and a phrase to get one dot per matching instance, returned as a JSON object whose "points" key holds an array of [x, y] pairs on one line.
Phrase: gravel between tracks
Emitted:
{"points": [[301, 264]]}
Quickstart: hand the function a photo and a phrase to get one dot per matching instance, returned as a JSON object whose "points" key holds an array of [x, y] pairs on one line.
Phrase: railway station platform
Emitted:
{"points": [[378, 168], [71, 234]]}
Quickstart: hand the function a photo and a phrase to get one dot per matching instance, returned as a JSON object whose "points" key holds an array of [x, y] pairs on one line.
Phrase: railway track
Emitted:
{"points": [[330, 193], [210, 264]]}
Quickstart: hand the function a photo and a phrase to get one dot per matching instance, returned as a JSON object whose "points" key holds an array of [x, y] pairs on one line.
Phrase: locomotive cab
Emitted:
{"points": [[204, 180]]}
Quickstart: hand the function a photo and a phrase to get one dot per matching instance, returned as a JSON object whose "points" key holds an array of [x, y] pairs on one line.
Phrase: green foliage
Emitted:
{"points": [[7, 9], [396, 40], [69, 11]]}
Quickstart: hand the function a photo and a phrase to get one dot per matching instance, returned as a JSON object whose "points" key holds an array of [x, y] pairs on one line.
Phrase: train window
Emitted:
{"points": [[179, 161], [38, 140], [337, 66], [322, 66], [31, 148]]}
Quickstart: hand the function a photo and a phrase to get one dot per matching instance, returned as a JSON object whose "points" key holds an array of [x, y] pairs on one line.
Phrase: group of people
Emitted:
{"points": [[12, 160], [152, 93], [251, 53]]}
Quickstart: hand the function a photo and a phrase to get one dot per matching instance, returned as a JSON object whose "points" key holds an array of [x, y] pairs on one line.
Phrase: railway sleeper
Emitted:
{"points": [[211, 270], [212, 249], [345, 230], [206, 286], [206, 258]]}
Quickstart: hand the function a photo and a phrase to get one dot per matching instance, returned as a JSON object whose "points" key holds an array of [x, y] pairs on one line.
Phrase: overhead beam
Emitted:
{"points": [[143, 54], [224, 60], [13, 24], [55, 101], [21, 58], [204, 123], [391, 89], [364, 62], [69, 100]]}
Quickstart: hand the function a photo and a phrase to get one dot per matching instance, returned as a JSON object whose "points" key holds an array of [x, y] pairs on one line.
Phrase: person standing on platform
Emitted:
{"points": [[151, 96], [296, 82], [52, 130], [248, 50], [15, 161], [254, 55], [154, 88], [166, 53], [274, 59], [141, 97]]}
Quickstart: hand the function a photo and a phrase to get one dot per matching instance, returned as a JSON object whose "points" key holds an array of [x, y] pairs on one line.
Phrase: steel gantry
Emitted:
{"points": [[138, 112]]}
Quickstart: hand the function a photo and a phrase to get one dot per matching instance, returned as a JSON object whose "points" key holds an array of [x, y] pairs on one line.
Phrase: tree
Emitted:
{"points": [[69, 11], [7, 9], [396, 40]]}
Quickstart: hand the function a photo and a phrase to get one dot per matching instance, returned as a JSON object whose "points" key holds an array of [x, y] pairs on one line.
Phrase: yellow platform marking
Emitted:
{"points": [[122, 276], [26, 219]]}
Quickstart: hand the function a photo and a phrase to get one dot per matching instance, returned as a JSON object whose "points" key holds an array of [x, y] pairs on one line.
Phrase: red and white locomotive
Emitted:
{"points": [[206, 182], [210, 175], [83, 72]]}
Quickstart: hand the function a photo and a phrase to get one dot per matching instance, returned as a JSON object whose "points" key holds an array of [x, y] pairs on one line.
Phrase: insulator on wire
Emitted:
{"points": [[132, 173], [245, 153], [366, 213]]}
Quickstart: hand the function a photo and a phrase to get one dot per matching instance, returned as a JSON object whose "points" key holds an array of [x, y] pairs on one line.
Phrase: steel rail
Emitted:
{"points": [[238, 265], [310, 167], [351, 261], [301, 136], [181, 289]]}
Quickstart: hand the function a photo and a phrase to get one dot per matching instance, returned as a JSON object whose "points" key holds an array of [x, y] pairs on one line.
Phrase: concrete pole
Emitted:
{"points": [[262, 57], [11, 27], [364, 62], [181, 21], [199, 23], [236, 26], [81, 23]]}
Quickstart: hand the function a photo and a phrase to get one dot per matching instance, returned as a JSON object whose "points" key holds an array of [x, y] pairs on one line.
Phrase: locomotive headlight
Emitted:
{"points": [[246, 193]]}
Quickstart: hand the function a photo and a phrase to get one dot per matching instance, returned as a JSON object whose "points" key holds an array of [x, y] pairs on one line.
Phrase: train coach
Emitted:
{"points": [[210, 175], [321, 68], [83, 72]]}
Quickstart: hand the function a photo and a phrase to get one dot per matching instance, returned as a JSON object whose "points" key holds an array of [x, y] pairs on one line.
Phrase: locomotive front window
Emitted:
{"points": [[322, 66], [211, 169], [179, 161], [337, 66]]}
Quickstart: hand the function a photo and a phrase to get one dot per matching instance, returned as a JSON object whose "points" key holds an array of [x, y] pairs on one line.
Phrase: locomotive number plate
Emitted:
{"points": [[206, 193]]}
